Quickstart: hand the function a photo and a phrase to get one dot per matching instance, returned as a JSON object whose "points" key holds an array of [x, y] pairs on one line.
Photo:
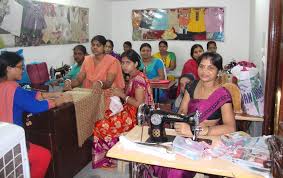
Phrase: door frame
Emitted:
{"points": [[272, 68]]}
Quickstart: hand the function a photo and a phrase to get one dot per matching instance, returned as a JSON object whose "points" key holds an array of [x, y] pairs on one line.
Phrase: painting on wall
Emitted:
{"points": [[202, 23], [33, 23]]}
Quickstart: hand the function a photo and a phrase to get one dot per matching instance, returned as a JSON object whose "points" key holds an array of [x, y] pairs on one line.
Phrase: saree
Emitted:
{"points": [[166, 60], [97, 72], [7, 91], [107, 130], [206, 107]]}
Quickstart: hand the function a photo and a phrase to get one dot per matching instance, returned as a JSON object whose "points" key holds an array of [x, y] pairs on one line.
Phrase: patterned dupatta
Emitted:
{"points": [[7, 91], [208, 106], [140, 80]]}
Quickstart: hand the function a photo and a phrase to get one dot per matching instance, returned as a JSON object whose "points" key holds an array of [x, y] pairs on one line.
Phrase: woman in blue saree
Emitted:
{"points": [[152, 67]]}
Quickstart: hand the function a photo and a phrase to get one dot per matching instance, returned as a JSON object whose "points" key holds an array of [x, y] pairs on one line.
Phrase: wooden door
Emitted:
{"points": [[279, 129], [273, 104]]}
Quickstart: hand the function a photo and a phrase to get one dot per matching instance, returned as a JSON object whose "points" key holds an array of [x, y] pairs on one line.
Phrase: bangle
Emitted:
{"points": [[68, 80], [41, 94], [208, 129], [101, 83], [127, 98], [204, 131]]}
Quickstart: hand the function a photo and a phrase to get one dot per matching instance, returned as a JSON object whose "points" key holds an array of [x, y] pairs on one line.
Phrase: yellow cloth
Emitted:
{"points": [[166, 60], [196, 20]]}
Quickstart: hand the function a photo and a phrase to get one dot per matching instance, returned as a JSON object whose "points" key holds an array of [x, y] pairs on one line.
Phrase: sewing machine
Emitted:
{"points": [[62, 70], [157, 118]]}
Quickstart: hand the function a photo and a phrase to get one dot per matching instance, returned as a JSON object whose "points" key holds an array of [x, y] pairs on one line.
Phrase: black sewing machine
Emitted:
{"points": [[62, 70], [157, 118]]}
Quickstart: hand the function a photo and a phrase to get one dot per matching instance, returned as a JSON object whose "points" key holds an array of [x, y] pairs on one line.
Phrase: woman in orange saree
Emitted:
{"points": [[99, 70], [107, 131]]}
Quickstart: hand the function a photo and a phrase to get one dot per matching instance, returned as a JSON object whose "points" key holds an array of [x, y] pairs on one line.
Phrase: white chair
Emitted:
{"points": [[13, 151]]}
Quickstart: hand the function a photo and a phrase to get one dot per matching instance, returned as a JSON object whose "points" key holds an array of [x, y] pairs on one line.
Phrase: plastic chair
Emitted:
{"points": [[236, 96]]}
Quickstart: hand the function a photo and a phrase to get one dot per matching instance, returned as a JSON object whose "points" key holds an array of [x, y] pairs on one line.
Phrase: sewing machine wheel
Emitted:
{"points": [[156, 119]]}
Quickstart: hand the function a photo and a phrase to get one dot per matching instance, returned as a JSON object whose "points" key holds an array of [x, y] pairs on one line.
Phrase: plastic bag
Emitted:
{"points": [[116, 105], [189, 148], [251, 88]]}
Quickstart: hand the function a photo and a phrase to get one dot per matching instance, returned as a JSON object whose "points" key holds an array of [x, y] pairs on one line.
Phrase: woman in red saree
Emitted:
{"points": [[107, 131]]}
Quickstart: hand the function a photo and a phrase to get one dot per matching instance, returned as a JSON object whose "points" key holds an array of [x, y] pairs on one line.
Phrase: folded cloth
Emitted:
{"points": [[160, 152], [89, 107]]}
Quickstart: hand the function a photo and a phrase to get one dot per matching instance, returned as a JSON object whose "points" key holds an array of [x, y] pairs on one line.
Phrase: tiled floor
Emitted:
{"points": [[88, 172]]}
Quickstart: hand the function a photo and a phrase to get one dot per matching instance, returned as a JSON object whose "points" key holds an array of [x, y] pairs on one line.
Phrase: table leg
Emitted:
{"points": [[133, 170], [158, 93], [243, 125]]}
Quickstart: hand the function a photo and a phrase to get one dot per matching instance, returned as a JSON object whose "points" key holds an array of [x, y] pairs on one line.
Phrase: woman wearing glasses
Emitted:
{"points": [[16, 100]]}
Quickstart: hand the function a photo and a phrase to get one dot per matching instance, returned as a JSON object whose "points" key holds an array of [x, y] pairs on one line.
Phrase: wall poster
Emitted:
{"points": [[33, 23], [202, 23]]}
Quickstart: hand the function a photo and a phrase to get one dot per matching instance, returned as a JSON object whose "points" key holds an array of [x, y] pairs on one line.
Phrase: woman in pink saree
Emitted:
{"points": [[212, 101]]}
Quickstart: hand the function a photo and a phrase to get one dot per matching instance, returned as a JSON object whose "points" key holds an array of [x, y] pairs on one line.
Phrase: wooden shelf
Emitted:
{"points": [[246, 117]]}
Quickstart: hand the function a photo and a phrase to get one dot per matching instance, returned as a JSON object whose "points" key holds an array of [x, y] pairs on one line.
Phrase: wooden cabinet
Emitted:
{"points": [[56, 130]]}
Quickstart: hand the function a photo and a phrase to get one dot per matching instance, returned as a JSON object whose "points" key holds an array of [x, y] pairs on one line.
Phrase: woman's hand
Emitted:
{"points": [[54, 83], [97, 85], [67, 85], [65, 98], [96, 88], [54, 95], [51, 95], [182, 129], [118, 92]]}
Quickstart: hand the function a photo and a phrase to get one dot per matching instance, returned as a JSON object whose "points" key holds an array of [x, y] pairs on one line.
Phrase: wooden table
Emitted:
{"points": [[158, 86], [214, 166], [56, 130], [246, 117]]}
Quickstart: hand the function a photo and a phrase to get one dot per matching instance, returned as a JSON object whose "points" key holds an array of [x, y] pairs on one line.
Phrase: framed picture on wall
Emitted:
{"points": [[34, 23], [197, 23]]}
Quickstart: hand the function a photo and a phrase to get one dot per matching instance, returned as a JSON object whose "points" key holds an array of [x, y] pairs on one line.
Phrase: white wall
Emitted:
{"points": [[55, 54], [236, 27], [258, 35]]}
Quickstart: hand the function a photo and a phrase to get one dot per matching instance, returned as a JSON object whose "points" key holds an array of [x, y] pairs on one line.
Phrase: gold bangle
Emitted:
{"points": [[42, 97], [68, 80], [127, 98], [204, 132], [207, 131], [101, 83]]}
